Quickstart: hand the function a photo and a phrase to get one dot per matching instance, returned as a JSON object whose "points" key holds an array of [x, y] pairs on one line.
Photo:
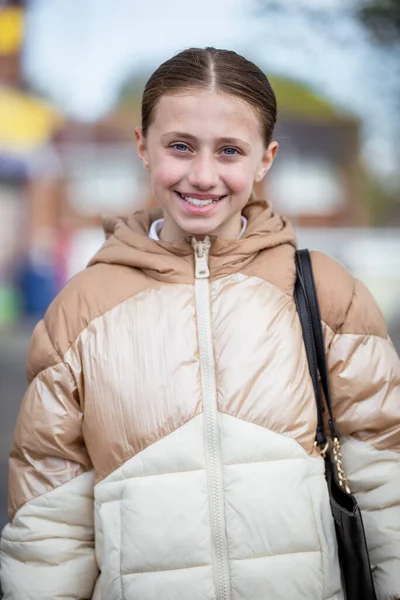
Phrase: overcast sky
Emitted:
{"points": [[79, 53]]}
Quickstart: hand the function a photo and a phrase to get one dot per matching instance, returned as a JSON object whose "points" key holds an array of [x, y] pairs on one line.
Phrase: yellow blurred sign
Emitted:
{"points": [[25, 121], [11, 29]]}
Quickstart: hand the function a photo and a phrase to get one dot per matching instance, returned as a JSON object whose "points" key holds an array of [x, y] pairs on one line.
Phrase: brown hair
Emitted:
{"points": [[211, 68]]}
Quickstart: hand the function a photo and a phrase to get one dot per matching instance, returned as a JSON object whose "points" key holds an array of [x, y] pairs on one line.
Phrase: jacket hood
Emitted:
{"points": [[128, 244]]}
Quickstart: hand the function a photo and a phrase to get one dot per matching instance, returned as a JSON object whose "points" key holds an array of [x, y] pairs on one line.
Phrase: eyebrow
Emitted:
{"points": [[232, 141]]}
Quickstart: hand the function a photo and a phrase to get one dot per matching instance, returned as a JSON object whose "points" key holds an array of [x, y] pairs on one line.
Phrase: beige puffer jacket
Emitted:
{"points": [[165, 446]]}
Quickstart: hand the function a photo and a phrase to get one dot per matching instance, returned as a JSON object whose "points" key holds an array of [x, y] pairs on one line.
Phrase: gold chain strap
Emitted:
{"points": [[337, 457]]}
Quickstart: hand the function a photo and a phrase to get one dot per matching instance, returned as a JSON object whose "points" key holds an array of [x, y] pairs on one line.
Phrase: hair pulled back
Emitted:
{"points": [[214, 69]]}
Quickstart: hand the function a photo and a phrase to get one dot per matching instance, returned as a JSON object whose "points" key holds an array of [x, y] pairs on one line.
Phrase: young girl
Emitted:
{"points": [[165, 446]]}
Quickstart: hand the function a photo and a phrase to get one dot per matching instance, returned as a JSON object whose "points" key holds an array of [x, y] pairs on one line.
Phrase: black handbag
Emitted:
{"points": [[352, 546]]}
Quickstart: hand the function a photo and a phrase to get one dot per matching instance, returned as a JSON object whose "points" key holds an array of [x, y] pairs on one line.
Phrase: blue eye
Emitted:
{"points": [[180, 147], [230, 151]]}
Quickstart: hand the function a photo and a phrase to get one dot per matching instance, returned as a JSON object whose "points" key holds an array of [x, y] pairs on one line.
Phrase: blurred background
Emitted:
{"points": [[71, 77]]}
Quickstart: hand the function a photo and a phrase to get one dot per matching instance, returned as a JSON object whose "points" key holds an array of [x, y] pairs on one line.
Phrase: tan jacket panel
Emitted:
{"points": [[261, 365], [365, 385], [88, 295], [275, 265], [48, 448], [41, 353], [140, 374], [363, 364], [346, 305]]}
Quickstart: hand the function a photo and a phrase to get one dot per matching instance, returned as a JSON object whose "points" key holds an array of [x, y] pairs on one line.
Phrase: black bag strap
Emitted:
{"points": [[310, 318]]}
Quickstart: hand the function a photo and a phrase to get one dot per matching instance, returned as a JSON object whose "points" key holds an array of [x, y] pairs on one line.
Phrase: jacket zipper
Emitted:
{"points": [[211, 433]]}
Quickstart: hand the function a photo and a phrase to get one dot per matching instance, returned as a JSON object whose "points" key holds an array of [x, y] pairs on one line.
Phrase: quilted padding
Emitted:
{"points": [[154, 509]]}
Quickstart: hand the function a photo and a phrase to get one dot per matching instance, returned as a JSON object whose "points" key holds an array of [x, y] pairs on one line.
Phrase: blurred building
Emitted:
{"points": [[99, 174], [317, 179], [57, 179], [26, 125]]}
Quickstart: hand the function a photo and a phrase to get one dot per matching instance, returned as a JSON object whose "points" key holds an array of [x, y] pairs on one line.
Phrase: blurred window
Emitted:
{"points": [[102, 179], [307, 185]]}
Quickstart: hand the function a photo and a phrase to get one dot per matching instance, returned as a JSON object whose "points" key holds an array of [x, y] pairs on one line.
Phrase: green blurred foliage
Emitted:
{"points": [[382, 19], [295, 98]]}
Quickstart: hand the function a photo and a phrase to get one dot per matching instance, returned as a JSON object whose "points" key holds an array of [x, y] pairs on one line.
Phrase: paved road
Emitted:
{"points": [[13, 349]]}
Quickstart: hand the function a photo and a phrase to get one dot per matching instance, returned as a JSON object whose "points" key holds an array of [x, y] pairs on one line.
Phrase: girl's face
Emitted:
{"points": [[204, 151]]}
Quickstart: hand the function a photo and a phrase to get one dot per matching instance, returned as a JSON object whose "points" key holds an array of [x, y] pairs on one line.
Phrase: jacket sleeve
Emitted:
{"points": [[365, 381], [47, 548]]}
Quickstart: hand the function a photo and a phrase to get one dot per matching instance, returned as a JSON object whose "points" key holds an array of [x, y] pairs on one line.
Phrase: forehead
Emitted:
{"points": [[201, 112]]}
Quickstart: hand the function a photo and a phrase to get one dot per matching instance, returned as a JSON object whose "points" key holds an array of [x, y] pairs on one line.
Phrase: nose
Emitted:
{"points": [[203, 172]]}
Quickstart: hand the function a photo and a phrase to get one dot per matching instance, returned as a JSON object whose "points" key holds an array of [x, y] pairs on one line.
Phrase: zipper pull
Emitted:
{"points": [[201, 252]]}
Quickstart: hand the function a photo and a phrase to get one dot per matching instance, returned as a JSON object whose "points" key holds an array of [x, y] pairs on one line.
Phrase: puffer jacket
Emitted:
{"points": [[165, 446]]}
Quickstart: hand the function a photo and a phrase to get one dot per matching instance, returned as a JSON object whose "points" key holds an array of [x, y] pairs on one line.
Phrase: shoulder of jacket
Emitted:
{"points": [[89, 295], [346, 304]]}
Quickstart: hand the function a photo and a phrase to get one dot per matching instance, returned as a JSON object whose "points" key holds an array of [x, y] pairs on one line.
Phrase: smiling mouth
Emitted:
{"points": [[198, 202]]}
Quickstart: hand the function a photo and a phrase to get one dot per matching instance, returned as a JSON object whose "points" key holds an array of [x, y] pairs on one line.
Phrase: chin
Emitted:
{"points": [[199, 227]]}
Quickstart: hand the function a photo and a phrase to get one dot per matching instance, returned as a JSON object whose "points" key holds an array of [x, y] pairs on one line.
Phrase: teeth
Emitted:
{"points": [[196, 202]]}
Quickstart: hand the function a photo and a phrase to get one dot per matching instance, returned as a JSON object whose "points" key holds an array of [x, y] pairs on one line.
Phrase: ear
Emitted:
{"points": [[266, 161], [142, 147]]}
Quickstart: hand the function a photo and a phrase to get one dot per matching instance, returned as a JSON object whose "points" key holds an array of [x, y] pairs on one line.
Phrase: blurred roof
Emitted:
{"points": [[295, 99], [105, 131]]}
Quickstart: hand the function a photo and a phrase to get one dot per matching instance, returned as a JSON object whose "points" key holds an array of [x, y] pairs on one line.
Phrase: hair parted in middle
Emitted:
{"points": [[214, 69]]}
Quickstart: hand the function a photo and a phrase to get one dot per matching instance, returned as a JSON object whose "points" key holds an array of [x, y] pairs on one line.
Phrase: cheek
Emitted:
{"points": [[240, 177], [165, 172]]}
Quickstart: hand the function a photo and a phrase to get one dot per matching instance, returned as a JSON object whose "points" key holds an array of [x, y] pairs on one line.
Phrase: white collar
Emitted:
{"points": [[156, 226]]}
